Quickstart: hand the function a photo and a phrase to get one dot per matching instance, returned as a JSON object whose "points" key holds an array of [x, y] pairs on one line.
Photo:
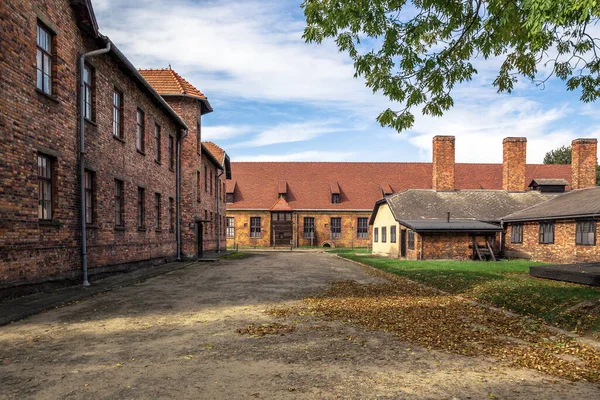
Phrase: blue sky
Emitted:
{"points": [[277, 98]]}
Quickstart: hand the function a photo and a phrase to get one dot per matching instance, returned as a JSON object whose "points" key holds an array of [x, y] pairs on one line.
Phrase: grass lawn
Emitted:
{"points": [[504, 284]]}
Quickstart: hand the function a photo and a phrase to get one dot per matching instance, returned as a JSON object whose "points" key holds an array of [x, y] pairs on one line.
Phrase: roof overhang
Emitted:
{"points": [[86, 18], [204, 103], [227, 166], [212, 158], [454, 226], [551, 218]]}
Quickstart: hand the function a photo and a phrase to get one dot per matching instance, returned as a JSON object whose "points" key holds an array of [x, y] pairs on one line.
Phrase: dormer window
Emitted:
{"points": [[335, 198], [335, 192]]}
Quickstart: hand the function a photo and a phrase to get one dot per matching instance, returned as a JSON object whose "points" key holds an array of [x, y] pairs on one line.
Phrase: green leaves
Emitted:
{"points": [[423, 48]]}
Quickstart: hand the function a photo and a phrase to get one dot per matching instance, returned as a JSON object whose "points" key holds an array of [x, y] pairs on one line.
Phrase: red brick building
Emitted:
{"points": [[329, 204], [564, 229], [120, 183]]}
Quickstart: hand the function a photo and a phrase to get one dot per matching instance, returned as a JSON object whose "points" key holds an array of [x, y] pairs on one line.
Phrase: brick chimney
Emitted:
{"points": [[583, 163], [443, 163], [514, 160]]}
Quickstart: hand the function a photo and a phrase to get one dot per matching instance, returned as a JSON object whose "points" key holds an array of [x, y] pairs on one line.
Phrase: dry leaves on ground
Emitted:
{"points": [[266, 329], [433, 320]]}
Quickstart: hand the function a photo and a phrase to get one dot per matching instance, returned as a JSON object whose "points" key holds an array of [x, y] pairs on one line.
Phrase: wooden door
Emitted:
{"points": [[403, 243]]}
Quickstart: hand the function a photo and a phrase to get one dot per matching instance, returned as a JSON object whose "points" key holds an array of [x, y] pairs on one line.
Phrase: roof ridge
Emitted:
{"points": [[176, 76]]}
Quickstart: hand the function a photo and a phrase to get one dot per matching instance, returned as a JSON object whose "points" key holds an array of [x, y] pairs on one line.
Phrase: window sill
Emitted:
{"points": [[48, 96], [141, 229], [118, 138], [49, 222], [92, 226], [158, 162], [120, 228], [89, 121], [585, 245], [141, 152]]}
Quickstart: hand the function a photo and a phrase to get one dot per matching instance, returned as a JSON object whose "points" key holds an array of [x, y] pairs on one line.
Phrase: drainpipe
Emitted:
{"points": [[178, 191], [218, 215], [82, 156]]}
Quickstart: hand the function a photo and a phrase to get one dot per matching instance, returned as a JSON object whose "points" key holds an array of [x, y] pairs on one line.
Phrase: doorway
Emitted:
{"points": [[199, 247], [403, 243]]}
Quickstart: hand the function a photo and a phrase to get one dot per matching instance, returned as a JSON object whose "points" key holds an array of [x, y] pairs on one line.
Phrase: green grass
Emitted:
{"points": [[233, 256], [349, 250], [504, 284]]}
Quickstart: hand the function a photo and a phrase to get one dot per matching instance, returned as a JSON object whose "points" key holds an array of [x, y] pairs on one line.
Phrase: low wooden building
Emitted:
{"points": [[561, 230]]}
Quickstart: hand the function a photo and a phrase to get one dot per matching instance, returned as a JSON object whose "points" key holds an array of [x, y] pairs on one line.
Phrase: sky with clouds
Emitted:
{"points": [[277, 98]]}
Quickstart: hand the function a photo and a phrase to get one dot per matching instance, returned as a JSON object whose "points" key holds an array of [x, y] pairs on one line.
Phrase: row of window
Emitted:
{"points": [[209, 187], [410, 237], [46, 203], [44, 83], [362, 226], [585, 233]]}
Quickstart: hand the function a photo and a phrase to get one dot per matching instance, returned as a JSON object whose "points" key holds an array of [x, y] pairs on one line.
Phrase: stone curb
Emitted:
{"points": [[559, 331]]}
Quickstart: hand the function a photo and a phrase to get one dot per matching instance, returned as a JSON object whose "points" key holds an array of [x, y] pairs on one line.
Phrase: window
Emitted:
{"points": [[547, 232], [410, 238], [229, 227], [88, 81], [198, 186], [516, 233], [211, 182], [119, 203], [392, 234], [171, 153], [44, 60], [586, 233], [141, 208], [205, 179], [336, 228], [198, 137], [45, 189], [375, 235], [89, 197], [157, 210], [157, 142], [255, 227], [206, 223], [383, 234], [171, 214], [335, 199], [139, 139], [117, 114], [212, 225], [223, 191], [362, 230], [309, 227], [229, 198], [281, 216]]}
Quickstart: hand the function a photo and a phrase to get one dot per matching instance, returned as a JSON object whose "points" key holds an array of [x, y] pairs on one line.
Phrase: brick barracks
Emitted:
{"points": [[103, 168]]}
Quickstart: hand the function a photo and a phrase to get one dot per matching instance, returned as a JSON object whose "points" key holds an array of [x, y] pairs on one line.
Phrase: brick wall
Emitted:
{"points": [[35, 251], [443, 163], [564, 250], [584, 162], [349, 237], [513, 164]]}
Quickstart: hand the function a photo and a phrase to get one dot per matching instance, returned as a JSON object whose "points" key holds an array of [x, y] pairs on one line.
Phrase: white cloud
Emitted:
{"points": [[223, 132], [290, 133], [300, 156]]}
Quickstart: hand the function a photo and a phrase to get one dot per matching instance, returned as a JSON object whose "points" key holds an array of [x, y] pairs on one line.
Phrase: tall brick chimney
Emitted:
{"points": [[514, 160], [443, 163], [583, 163]]}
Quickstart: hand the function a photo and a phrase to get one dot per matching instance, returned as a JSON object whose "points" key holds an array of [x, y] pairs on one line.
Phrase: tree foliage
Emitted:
{"points": [[416, 52], [561, 155]]}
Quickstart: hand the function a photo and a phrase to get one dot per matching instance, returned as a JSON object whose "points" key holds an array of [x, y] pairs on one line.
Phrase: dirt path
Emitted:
{"points": [[176, 336]]}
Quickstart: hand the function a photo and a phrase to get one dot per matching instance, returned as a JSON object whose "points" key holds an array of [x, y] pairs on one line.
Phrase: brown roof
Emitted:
{"points": [[230, 186], [281, 205], [168, 82], [480, 205], [578, 203], [282, 187], [309, 183], [217, 152]]}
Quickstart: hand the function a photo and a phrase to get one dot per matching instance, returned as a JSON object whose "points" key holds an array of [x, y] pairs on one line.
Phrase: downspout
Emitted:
{"points": [[218, 215], [82, 58], [178, 191]]}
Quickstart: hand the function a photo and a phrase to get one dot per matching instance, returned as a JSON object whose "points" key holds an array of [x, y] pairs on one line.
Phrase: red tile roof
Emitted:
{"points": [[282, 187], [215, 150], [281, 205], [168, 82], [309, 183]]}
